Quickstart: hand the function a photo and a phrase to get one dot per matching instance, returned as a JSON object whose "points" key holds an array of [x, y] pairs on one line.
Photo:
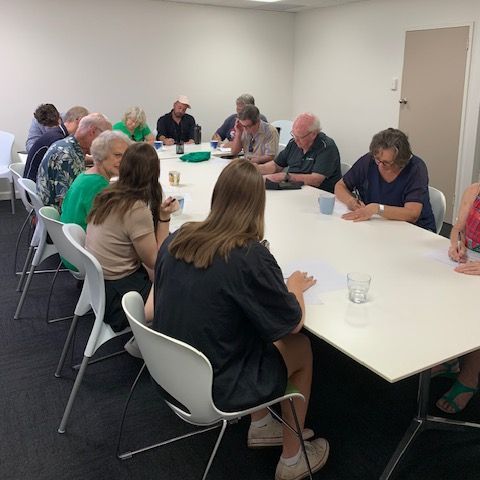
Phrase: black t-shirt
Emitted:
{"points": [[232, 312], [169, 128]]}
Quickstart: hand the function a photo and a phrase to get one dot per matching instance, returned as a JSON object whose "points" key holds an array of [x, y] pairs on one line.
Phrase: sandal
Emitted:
{"points": [[448, 369], [458, 388]]}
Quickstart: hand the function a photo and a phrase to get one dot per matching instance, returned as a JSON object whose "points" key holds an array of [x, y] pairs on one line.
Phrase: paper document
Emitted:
{"points": [[442, 257], [327, 277]]}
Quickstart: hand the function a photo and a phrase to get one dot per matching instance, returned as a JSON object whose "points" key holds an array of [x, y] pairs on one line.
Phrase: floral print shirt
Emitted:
{"points": [[62, 163]]}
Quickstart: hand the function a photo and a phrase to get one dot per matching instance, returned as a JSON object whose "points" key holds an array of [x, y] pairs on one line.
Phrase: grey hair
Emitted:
{"points": [[75, 113], [97, 120], [309, 119], [394, 139], [137, 114], [251, 112], [102, 145], [246, 99]]}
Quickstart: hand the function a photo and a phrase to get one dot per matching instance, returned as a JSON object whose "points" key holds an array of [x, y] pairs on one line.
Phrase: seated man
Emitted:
{"points": [[45, 117], [257, 139], [310, 157], [68, 127], [65, 159], [177, 125], [226, 131], [107, 151]]}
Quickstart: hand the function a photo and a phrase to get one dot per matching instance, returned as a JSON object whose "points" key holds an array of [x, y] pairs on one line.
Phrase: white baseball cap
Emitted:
{"points": [[183, 99]]}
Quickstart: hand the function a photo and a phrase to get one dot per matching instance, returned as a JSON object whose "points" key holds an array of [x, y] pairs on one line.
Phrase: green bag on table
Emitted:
{"points": [[195, 157]]}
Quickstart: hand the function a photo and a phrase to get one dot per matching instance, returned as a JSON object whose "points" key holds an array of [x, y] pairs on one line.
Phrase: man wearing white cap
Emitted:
{"points": [[176, 126]]}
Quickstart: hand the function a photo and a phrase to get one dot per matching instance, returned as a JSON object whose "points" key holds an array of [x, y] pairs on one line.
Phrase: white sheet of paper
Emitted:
{"points": [[327, 277], [442, 257]]}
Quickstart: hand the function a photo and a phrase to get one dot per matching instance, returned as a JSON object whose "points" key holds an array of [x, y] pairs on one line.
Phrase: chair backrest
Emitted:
{"points": [[87, 263], [181, 370], [281, 147], [29, 187], [344, 167], [285, 129], [17, 170], [439, 205], [54, 227], [6, 144]]}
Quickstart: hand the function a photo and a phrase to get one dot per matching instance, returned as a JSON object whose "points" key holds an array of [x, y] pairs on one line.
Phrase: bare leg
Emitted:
{"points": [[297, 355], [468, 376]]}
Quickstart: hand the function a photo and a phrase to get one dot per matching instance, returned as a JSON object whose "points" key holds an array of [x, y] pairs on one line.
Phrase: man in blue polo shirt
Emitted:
{"points": [[40, 147], [310, 157]]}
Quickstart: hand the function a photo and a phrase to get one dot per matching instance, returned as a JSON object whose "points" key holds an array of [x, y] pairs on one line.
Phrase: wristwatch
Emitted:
{"points": [[381, 209]]}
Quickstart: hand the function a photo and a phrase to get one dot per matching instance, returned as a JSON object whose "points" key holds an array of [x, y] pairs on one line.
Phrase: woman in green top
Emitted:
{"points": [[134, 125], [107, 152]]}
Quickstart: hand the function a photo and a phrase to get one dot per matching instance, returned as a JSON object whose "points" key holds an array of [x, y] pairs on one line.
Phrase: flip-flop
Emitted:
{"points": [[457, 389], [449, 369]]}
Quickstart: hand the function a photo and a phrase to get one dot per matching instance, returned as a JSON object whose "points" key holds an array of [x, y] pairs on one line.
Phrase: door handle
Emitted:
{"points": [[403, 101]]}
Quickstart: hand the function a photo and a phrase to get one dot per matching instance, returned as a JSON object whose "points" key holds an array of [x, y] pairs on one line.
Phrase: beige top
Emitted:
{"points": [[264, 142], [112, 242]]}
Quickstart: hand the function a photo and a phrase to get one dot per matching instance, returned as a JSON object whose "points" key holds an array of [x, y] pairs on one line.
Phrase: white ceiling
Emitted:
{"points": [[291, 6]]}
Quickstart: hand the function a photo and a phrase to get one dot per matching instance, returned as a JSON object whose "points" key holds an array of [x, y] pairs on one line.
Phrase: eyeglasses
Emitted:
{"points": [[383, 162], [300, 137]]}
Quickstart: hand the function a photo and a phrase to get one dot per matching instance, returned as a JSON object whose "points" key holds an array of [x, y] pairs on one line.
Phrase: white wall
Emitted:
{"points": [[110, 54], [346, 56]]}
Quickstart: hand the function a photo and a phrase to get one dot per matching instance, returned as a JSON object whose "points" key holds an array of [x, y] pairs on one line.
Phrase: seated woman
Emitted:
{"points": [[134, 125], [240, 313], [107, 151], [388, 181], [126, 226], [465, 249]]}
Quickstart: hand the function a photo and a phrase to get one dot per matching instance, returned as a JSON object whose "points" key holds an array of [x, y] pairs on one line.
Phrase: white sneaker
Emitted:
{"points": [[270, 435], [317, 452], [132, 348]]}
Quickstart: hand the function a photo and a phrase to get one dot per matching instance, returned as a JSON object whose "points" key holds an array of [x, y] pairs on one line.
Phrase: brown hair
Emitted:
{"points": [[395, 139], [137, 180], [236, 217]]}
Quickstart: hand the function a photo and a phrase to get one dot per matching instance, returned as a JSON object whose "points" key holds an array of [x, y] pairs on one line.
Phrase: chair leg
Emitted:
{"points": [[124, 414], [19, 237], [24, 293], [12, 198], [51, 291], [68, 341], [28, 259], [215, 448], [73, 394], [300, 437]]}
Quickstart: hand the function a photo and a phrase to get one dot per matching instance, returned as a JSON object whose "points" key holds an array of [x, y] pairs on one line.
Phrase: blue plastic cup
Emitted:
{"points": [[158, 144], [214, 144], [326, 201]]}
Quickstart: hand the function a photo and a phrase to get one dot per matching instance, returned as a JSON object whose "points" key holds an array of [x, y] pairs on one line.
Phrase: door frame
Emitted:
{"points": [[463, 177]]}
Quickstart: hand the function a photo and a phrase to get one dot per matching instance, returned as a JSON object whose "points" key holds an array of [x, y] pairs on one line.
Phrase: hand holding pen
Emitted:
{"points": [[357, 200], [457, 251]]}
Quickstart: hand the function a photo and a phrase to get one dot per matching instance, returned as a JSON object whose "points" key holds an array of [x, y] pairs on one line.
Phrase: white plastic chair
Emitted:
{"points": [[6, 144], [439, 205], [51, 219], [187, 375], [285, 129], [17, 170], [92, 297], [281, 147], [344, 168], [38, 243]]}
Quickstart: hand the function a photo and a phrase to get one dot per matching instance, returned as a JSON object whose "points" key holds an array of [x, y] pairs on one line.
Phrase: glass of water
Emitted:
{"points": [[358, 285]]}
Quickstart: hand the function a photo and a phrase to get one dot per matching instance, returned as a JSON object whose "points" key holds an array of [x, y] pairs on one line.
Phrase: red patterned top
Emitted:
{"points": [[472, 227]]}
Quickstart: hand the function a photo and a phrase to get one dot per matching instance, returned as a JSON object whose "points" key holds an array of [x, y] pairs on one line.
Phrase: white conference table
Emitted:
{"points": [[419, 311]]}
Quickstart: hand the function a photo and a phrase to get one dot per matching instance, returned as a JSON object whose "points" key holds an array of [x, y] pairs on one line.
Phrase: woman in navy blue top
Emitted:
{"points": [[388, 181]]}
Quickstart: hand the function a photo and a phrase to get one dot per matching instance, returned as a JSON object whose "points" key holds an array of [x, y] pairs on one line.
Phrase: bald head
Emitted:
{"points": [[89, 128], [307, 122]]}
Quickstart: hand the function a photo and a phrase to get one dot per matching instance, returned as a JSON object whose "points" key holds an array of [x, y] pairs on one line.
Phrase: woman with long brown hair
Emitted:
{"points": [[219, 289], [126, 226]]}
